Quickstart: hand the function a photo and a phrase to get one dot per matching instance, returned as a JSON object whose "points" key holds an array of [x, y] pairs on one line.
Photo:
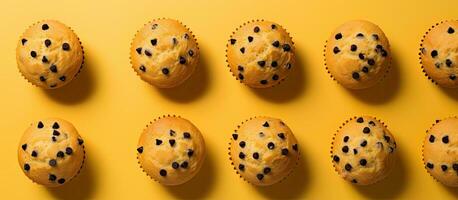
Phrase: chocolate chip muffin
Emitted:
{"points": [[49, 54], [357, 54], [362, 150], [440, 155], [164, 53], [260, 54], [438, 54], [51, 152], [171, 150], [263, 151]]}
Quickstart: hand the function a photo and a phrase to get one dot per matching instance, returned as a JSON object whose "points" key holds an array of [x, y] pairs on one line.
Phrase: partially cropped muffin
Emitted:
{"points": [[164, 53], [49, 54], [260, 54], [171, 150], [357, 54], [439, 55], [362, 150], [51, 152], [263, 151], [439, 151]]}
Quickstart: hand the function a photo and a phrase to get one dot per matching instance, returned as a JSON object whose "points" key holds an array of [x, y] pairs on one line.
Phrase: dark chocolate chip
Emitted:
{"points": [[190, 152], [366, 130], [284, 151], [455, 167], [364, 143], [444, 167], [186, 135], [34, 154], [52, 162], [165, 71], [336, 158], [47, 42], [372, 123], [172, 142], [55, 125], [62, 78], [241, 155], [371, 62], [448, 62], [286, 47], [353, 47], [256, 29], [267, 170], [184, 165], [274, 64], [242, 49], [360, 35], [271, 145], [363, 162], [65, 46], [256, 155], [338, 36], [61, 154], [360, 120], [266, 124], [355, 75], [42, 79], [262, 63], [445, 139], [154, 26], [355, 151], [430, 165], [260, 176], [263, 82], [23, 41], [147, 53], [384, 53], [241, 76], [61, 181], [44, 27], [241, 167], [240, 68], [175, 165], [275, 77], [450, 30], [153, 42], [186, 36], [250, 39], [53, 85], [348, 167], [80, 141], [432, 138], [276, 43], [281, 136], [172, 132], [434, 53], [53, 68], [242, 144], [163, 172], [375, 36], [158, 142], [182, 60], [24, 147], [33, 54], [233, 41], [52, 177], [295, 147], [68, 151], [288, 65], [336, 50], [55, 133], [139, 50], [345, 149], [365, 69], [54, 138], [346, 138], [361, 56], [354, 181], [452, 77], [235, 136], [273, 26], [191, 53], [387, 138]]}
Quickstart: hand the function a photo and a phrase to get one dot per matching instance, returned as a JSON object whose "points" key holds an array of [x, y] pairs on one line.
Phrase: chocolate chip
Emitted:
{"points": [[455, 167], [163, 172], [26, 167], [360, 120], [186, 36], [53, 68], [364, 143], [235, 136], [365, 69], [434, 53], [336, 158], [346, 138], [450, 30], [240, 68], [68, 151], [139, 50], [288, 65], [23, 41], [263, 82], [295, 147], [366, 130], [184, 165], [153, 42], [267, 170], [363, 162], [24, 147], [154, 26], [355, 75], [262, 63], [44, 27], [80, 141], [256, 29], [182, 60], [336, 50], [276, 44], [354, 181], [452, 77], [371, 62], [54, 138], [445, 139], [360, 35], [242, 144], [190, 152], [271, 145], [432, 138], [274, 64], [241, 155], [61, 154], [348, 167], [186, 135], [281, 136], [175, 165], [275, 77], [53, 86], [384, 53], [361, 56], [65, 46], [241, 76], [429, 165], [55, 133], [172, 142], [353, 47], [174, 41], [256, 155], [448, 62], [338, 36], [52, 162], [444, 167], [233, 41], [61, 181], [266, 124], [158, 142], [273, 26], [284, 151], [55, 125], [260, 176], [62, 78], [34, 154], [172, 132], [241, 167], [242, 49], [345, 149], [47, 42], [165, 71], [42, 79], [375, 36], [355, 151], [387, 138], [33, 54], [372, 123], [286, 47], [52, 177], [147, 53], [250, 39]]}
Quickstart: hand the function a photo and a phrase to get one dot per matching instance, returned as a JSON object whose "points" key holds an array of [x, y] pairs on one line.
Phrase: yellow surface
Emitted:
{"points": [[110, 105]]}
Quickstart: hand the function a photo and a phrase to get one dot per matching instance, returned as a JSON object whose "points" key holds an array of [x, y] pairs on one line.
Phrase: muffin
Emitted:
{"points": [[362, 150], [260, 54], [439, 151], [438, 54], [51, 152], [49, 54], [357, 54], [171, 150], [263, 151], [164, 53]]}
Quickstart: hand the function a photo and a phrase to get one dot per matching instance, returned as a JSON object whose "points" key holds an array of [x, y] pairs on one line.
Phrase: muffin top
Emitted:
{"points": [[164, 53], [260, 54], [362, 150], [440, 154], [49, 54], [439, 54], [263, 151], [357, 54], [51, 152], [171, 150]]}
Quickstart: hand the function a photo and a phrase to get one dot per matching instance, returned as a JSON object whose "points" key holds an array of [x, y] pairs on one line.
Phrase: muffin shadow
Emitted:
{"points": [[193, 88], [389, 187], [80, 88], [385, 90], [289, 89], [199, 186], [293, 187], [451, 92], [81, 187]]}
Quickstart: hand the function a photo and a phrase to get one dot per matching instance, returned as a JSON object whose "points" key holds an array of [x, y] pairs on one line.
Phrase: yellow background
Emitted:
{"points": [[110, 105]]}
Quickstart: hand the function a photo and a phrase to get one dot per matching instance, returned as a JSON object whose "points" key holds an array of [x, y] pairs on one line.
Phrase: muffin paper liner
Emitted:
{"points": [[79, 70], [237, 172], [227, 46], [334, 137], [149, 22]]}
